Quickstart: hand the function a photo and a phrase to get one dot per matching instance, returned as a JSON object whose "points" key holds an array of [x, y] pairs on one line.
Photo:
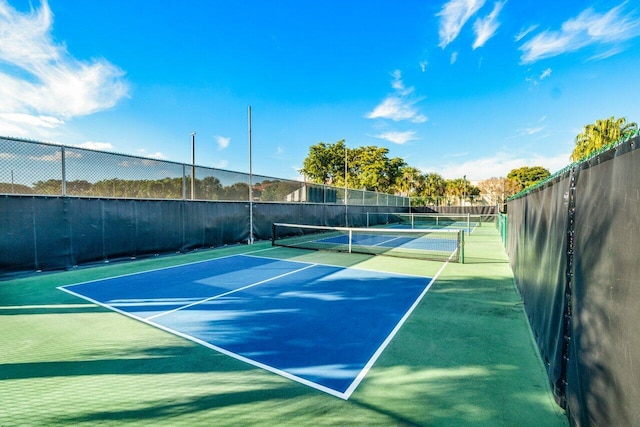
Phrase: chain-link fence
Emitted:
{"points": [[28, 167]]}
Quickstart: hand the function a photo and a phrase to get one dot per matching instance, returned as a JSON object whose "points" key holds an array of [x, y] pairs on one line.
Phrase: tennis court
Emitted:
{"points": [[317, 324], [427, 221], [439, 245], [262, 335]]}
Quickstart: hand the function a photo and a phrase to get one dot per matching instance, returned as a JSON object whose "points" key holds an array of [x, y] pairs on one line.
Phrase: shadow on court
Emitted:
{"points": [[464, 357]]}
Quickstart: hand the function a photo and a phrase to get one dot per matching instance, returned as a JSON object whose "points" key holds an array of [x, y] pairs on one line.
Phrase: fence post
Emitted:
{"points": [[64, 171], [184, 182]]}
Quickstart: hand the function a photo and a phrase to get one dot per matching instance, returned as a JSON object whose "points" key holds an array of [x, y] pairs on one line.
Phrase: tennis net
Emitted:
{"points": [[439, 245]]}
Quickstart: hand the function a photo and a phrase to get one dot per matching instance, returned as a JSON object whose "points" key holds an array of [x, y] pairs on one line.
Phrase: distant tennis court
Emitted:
{"points": [[437, 245], [434, 221], [320, 325]]}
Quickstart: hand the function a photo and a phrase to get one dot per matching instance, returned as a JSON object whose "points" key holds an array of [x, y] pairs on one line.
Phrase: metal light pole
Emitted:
{"points": [[464, 189], [193, 165], [250, 182], [346, 187]]}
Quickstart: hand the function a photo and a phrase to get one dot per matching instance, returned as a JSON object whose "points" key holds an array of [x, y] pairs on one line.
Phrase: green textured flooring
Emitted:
{"points": [[464, 357]]}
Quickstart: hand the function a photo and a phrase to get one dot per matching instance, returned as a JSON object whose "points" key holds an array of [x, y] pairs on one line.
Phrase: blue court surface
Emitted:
{"points": [[321, 325]]}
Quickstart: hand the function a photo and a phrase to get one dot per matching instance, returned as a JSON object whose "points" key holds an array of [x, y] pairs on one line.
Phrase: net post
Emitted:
{"points": [[273, 234], [468, 222], [350, 239], [461, 247]]}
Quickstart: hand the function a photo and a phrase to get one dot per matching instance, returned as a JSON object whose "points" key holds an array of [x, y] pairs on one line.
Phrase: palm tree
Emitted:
{"points": [[434, 188], [409, 181], [456, 189], [600, 134]]}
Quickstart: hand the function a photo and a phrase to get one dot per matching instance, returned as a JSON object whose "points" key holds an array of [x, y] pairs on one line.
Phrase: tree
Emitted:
{"points": [[526, 176], [50, 186], [275, 190], [325, 163], [368, 167], [410, 182], [434, 188], [371, 169], [600, 134], [472, 192], [208, 188], [237, 191], [461, 189], [78, 187], [497, 189]]}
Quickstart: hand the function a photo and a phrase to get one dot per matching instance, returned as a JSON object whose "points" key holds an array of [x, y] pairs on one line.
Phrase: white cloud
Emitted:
{"points": [[41, 121], [41, 84], [454, 58], [223, 142], [141, 151], [499, 164], [423, 65], [399, 86], [546, 73], [588, 28], [486, 27], [522, 34], [221, 164], [536, 79], [530, 131], [151, 161], [396, 109], [398, 137], [92, 145], [606, 54], [55, 157], [400, 105], [453, 16]]}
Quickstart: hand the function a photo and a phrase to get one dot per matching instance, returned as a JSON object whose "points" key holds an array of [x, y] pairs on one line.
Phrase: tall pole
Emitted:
{"points": [[250, 183], [464, 189], [346, 187], [193, 165]]}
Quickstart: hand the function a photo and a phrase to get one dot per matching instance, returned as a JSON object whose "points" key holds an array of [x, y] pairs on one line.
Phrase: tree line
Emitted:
{"points": [[208, 188], [371, 168]]}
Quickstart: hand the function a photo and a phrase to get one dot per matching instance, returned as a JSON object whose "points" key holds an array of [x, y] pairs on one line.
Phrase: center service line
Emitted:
{"points": [[155, 316]]}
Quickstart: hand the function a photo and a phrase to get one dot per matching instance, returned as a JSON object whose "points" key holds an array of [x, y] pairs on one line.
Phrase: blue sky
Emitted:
{"points": [[460, 87]]}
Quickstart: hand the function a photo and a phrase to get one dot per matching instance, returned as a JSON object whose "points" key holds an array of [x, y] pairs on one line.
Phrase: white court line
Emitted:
{"points": [[155, 316], [350, 267], [214, 347], [376, 355], [169, 267], [342, 395], [387, 241]]}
